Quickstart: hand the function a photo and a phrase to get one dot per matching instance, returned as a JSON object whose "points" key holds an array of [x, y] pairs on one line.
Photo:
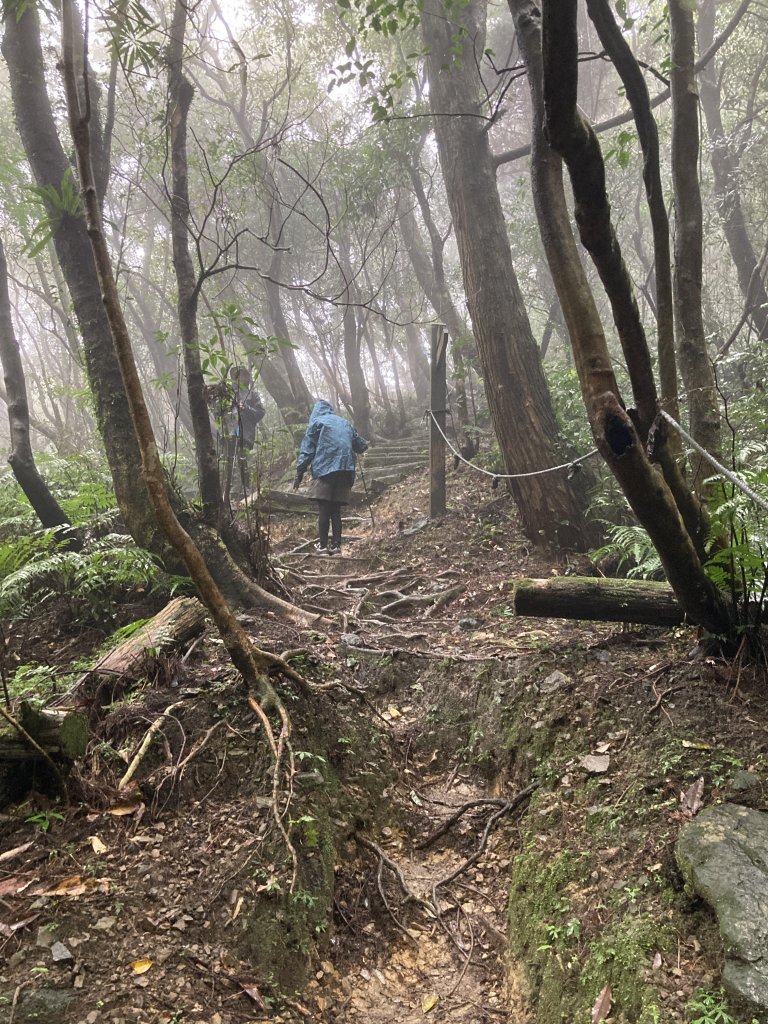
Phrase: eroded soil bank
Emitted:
{"points": [[177, 902]]}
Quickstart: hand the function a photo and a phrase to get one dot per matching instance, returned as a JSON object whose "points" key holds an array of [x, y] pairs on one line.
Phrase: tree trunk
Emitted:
{"points": [[358, 389], [603, 600], [633, 80], [727, 189], [180, 94], [50, 167], [695, 365], [302, 396], [21, 459], [613, 429], [518, 398], [22, 50], [431, 278], [418, 365], [251, 664]]}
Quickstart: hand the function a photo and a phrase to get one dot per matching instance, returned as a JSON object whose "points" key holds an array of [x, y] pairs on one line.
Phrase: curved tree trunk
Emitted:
{"points": [[553, 78], [633, 80], [23, 53], [22, 50], [551, 509], [21, 459]]}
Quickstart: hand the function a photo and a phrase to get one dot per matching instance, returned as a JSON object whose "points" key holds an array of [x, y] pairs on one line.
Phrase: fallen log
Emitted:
{"points": [[178, 623], [61, 735], [604, 600]]}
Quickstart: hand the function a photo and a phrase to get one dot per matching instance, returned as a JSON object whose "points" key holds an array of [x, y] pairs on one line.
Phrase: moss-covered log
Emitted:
{"points": [[605, 600], [180, 621]]}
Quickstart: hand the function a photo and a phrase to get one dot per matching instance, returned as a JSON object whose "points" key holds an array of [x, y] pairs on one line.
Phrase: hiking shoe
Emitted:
{"points": [[334, 549], [321, 549]]}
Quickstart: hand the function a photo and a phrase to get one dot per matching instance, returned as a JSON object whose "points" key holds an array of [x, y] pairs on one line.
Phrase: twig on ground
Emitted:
{"points": [[409, 894], [459, 813], [278, 749], [145, 744], [468, 957], [407, 600], [445, 598], [509, 806]]}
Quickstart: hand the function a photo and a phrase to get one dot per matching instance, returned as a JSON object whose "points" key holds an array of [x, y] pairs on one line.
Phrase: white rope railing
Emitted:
{"points": [[729, 475], [571, 466]]}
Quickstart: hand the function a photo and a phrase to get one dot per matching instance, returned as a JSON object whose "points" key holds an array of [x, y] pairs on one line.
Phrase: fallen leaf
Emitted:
{"points": [[13, 885], [603, 748], [595, 764], [140, 966], [415, 798], [602, 1006], [250, 988], [393, 712], [691, 799], [121, 810], [72, 885], [15, 852], [429, 1002], [96, 844], [10, 929], [696, 745]]}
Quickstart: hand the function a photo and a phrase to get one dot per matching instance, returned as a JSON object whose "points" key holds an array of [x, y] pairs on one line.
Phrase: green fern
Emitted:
{"points": [[632, 547]]}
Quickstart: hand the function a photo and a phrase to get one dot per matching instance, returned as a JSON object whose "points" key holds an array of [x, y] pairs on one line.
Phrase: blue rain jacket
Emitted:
{"points": [[330, 443]]}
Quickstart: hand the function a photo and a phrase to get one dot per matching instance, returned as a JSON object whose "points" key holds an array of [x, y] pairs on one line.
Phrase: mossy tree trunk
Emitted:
{"points": [[552, 509]]}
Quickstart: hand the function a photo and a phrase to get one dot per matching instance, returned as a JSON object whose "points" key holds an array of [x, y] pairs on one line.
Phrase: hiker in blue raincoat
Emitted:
{"points": [[330, 446]]}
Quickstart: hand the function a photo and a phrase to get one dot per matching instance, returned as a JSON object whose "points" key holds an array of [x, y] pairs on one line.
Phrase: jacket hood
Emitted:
{"points": [[321, 408]]}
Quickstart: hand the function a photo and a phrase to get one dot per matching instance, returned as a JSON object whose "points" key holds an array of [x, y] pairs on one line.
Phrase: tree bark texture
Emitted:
{"points": [[552, 75], [180, 621], [575, 140], [725, 171], [23, 53], [302, 396], [180, 95], [631, 75], [695, 365], [358, 388], [603, 600], [518, 398], [21, 459]]}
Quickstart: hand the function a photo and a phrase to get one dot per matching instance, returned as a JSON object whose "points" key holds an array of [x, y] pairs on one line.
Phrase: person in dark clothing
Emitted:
{"points": [[245, 412], [330, 446]]}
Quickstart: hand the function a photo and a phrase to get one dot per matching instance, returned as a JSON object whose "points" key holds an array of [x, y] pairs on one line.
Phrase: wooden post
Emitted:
{"points": [[437, 403]]}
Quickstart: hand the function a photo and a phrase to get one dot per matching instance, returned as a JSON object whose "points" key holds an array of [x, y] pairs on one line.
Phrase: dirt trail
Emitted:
{"points": [[452, 967]]}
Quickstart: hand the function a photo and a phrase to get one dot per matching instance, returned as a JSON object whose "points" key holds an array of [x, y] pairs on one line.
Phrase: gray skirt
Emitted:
{"points": [[333, 487]]}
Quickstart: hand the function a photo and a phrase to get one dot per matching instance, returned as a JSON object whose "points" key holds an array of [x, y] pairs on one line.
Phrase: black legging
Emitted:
{"points": [[329, 515]]}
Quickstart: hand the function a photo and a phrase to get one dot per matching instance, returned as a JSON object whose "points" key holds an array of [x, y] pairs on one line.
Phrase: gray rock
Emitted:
{"points": [[742, 781], [469, 623], [60, 953], [555, 681], [45, 1006], [723, 854]]}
